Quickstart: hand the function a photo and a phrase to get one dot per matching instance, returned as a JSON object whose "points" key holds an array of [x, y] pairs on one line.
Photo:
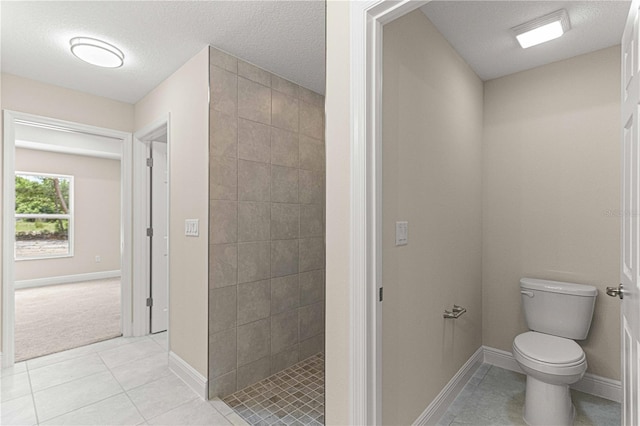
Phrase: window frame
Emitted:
{"points": [[70, 217]]}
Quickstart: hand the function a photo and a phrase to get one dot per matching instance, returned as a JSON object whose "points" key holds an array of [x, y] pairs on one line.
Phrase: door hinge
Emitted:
{"points": [[149, 162], [149, 302], [380, 294], [149, 232]]}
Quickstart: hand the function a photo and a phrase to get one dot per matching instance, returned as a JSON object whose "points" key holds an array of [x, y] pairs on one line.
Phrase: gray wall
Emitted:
{"points": [[266, 266], [432, 178], [551, 193]]}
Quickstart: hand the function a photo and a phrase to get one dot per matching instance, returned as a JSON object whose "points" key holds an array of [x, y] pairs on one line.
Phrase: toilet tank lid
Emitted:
{"points": [[558, 287]]}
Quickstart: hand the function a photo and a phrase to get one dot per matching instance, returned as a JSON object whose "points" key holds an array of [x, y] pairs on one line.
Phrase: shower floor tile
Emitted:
{"points": [[294, 396]]}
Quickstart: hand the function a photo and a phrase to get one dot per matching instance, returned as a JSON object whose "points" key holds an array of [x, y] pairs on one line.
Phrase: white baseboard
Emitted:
{"points": [[448, 394], [65, 279], [600, 386], [502, 359], [189, 375], [590, 383]]}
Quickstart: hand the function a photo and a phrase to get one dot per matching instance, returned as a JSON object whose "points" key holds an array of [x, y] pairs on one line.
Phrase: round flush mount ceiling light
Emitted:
{"points": [[97, 52]]}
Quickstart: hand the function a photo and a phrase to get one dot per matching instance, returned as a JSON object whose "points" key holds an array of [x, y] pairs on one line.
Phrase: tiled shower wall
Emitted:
{"points": [[266, 279]]}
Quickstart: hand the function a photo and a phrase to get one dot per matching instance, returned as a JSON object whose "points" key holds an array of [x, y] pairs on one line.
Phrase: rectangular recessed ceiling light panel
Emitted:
{"points": [[542, 29]]}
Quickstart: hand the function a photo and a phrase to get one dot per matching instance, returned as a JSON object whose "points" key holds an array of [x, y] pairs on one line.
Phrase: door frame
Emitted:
{"points": [[141, 289], [629, 261], [8, 221], [367, 19]]}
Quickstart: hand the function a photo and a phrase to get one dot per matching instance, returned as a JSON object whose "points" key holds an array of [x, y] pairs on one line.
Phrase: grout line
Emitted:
{"points": [[165, 412], [485, 373], [57, 362], [291, 382], [237, 283], [100, 400], [157, 343], [125, 391], [74, 379], [210, 402], [151, 381], [86, 405], [129, 361], [33, 397], [91, 350]]}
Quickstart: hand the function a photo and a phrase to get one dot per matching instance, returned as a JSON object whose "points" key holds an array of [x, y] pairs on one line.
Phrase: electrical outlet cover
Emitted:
{"points": [[402, 233]]}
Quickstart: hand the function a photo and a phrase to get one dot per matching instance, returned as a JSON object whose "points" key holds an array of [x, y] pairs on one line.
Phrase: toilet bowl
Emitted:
{"points": [[557, 314], [551, 363]]}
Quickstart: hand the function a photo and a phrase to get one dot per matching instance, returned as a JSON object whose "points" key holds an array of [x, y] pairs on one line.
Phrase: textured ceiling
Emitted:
{"points": [[480, 31], [157, 37], [284, 37]]}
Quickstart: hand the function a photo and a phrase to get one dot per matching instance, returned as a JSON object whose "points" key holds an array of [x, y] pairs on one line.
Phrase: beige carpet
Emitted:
{"points": [[56, 318]]}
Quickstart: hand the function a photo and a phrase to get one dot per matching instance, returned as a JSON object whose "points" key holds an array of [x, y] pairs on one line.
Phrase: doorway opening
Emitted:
{"points": [[67, 245], [366, 29], [151, 228], [66, 258]]}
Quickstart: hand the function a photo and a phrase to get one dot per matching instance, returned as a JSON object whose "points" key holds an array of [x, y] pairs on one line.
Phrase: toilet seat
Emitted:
{"points": [[549, 354]]}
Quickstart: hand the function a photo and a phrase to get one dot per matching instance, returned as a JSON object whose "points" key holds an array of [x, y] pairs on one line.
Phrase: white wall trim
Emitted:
{"points": [[502, 359], [592, 384], [365, 350], [600, 386], [8, 228], [39, 146], [126, 229], [66, 279], [189, 375], [448, 394], [140, 325], [8, 225]]}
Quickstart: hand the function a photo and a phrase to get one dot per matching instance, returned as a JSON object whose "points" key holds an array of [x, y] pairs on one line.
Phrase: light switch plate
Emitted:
{"points": [[191, 227], [402, 233]]}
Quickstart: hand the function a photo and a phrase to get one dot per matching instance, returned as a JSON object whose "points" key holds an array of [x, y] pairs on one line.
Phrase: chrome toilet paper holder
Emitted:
{"points": [[455, 313]]}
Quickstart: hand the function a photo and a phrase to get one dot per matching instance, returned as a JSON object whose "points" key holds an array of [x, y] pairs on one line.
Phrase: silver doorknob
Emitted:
{"points": [[616, 291]]}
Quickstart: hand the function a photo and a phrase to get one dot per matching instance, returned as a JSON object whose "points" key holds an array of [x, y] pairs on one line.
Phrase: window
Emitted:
{"points": [[44, 216]]}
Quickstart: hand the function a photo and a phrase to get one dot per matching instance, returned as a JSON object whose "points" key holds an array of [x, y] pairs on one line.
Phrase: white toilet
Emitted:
{"points": [[557, 313]]}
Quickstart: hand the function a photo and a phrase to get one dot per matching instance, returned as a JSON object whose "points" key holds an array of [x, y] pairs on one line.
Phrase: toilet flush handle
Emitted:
{"points": [[526, 293], [616, 291]]}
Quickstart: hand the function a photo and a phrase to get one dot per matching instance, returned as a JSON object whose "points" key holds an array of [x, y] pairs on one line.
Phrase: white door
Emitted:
{"points": [[158, 220], [630, 312]]}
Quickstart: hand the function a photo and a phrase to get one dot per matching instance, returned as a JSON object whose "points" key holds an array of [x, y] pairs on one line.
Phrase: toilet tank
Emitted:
{"points": [[558, 308]]}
